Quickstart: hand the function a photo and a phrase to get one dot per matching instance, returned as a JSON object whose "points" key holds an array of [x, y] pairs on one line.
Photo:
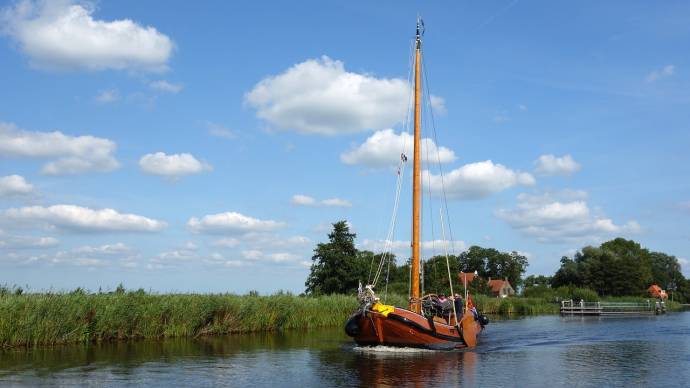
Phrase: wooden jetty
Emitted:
{"points": [[569, 307]]}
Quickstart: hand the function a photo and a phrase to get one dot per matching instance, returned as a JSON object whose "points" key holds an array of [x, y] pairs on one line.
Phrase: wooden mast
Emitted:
{"points": [[415, 304]]}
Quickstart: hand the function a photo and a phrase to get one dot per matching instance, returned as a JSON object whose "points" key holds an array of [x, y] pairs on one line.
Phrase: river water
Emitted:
{"points": [[530, 351]]}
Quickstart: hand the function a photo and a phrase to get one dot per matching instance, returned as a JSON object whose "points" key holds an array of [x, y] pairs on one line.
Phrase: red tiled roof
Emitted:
{"points": [[497, 284], [469, 275]]}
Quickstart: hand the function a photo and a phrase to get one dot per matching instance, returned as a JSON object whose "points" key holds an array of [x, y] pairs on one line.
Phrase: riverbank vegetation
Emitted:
{"points": [[616, 268], [53, 318]]}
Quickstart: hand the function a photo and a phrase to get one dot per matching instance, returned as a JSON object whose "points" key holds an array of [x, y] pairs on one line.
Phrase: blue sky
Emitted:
{"points": [[208, 147]]}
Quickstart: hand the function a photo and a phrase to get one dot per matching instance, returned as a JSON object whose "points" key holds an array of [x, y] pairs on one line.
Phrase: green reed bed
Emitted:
{"points": [[515, 305], [55, 318]]}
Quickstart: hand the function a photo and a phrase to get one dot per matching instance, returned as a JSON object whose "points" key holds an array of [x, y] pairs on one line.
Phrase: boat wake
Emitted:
{"points": [[393, 350]]}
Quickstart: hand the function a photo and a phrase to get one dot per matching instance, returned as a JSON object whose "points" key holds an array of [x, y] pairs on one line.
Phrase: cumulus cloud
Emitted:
{"points": [[403, 249], [319, 96], [554, 165], [14, 185], [383, 148], [658, 74], [84, 219], [232, 223], [63, 34], [476, 180], [305, 200], [72, 154], [561, 217], [171, 166], [28, 242], [165, 86]]}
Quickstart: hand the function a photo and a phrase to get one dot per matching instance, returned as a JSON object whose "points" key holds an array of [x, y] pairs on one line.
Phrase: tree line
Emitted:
{"points": [[338, 267], [618, 267]]}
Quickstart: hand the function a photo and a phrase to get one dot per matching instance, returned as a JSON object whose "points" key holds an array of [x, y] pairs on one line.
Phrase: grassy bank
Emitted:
{"points": [[33, 319], [78, 317]]}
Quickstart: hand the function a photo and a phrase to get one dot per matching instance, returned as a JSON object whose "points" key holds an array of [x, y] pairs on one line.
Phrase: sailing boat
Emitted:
{"points": [[420, 325]]}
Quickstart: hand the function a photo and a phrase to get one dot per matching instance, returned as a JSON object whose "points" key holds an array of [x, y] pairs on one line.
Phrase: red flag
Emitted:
{"points": [[470, 305]]}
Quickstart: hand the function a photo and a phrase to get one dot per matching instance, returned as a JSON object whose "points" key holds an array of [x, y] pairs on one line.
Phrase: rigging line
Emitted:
{"points": [[428, 187], [406, 120], [388, 247], [440, 167], [450, 277]]}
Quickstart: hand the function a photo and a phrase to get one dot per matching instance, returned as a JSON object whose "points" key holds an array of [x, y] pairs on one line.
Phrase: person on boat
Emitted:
{"points": [[458, 304]]}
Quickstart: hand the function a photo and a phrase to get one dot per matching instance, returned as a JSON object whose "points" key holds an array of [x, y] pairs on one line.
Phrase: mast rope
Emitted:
{"points": [[387, 254]]}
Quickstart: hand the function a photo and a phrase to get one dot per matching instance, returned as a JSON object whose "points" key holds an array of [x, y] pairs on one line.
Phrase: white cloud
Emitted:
{"points": [[271, 240], [337, 202], [79, 218], [28, 242], [177, 254], [252, 254], [278, 257], [227, 242], [383, 149], [554, 165], [106, 249], [165, 86], [75, 154], [476, 180], [106, 96], [190, 246], [63, 34], [319, 96], [556, 218], [171, 166], [305, 200], [438, 104], [234, 263], [14, 185], [218, 130], [233, 223], [403, 249], [658, 74]]}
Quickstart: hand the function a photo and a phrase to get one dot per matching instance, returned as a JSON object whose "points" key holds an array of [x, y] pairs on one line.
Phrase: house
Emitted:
{"points": [[466, 277], [501, 288]]}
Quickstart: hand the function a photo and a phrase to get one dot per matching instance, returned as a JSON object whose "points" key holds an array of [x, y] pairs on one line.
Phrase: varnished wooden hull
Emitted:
{"points": [[406, 328]]}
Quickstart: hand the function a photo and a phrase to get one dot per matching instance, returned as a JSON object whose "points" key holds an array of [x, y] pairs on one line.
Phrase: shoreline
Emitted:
{"points": [[47, 319]]}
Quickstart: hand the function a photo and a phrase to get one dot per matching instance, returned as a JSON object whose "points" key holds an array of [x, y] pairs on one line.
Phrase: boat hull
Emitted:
{"points": [[408, 329]]}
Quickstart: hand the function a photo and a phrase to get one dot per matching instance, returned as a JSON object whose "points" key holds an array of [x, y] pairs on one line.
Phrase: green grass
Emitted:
{"points": [[56, 318]]}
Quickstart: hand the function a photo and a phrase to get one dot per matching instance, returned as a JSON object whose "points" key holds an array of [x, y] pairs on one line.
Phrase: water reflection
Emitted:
{"points": [[546, 350]]}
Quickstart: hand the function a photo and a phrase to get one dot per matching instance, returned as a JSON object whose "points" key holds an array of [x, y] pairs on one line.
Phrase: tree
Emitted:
{"points": [[436, 274], [337, 266], [490, 263], [618, 267], [537, 281]]}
